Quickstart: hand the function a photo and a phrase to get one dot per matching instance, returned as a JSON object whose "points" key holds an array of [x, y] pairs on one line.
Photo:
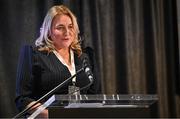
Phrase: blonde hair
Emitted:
{"points": [[44, 43]]}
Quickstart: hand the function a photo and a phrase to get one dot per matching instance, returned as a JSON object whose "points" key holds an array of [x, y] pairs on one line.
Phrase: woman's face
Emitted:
{"points": [[62, 31]]}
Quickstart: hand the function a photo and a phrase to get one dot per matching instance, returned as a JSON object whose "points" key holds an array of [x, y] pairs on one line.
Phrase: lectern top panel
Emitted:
{"points": [[104, 97], [104, 100]]}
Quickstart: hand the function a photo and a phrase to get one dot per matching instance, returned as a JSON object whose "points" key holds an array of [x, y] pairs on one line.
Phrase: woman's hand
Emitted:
{"points": [[43, 114]]}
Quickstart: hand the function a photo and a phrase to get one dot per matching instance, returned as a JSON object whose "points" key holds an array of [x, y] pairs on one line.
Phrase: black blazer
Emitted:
{"points": [[39, 72]]}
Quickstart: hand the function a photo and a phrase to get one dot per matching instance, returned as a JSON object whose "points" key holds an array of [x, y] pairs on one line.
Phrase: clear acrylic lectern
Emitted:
{"points": [[100, 106]]}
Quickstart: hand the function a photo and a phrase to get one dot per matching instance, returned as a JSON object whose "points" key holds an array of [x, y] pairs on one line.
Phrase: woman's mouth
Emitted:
{"points": [[66, 39]]}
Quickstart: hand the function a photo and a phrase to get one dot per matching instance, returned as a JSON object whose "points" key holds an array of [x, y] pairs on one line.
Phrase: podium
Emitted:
{"points": [[100, 106]]}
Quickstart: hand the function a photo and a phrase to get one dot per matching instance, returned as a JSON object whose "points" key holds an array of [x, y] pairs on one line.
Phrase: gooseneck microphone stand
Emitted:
{"points": [[47, 94]]}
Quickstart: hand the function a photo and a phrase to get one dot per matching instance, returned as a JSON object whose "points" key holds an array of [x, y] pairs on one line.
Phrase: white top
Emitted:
{"points": [[71, 69]]}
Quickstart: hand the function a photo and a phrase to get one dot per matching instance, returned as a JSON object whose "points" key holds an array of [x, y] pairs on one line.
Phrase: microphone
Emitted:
{"points": [[87, 68]]}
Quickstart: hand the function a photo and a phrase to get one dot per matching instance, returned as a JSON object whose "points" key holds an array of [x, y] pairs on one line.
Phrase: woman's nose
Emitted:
{"points": [[66, 31]]}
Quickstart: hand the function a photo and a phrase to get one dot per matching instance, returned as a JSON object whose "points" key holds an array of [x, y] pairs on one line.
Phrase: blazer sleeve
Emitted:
{"points": [[24, 81]]}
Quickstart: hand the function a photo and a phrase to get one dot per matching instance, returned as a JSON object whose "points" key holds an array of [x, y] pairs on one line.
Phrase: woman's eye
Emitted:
{"points": [[60, 28], [71, 27]]}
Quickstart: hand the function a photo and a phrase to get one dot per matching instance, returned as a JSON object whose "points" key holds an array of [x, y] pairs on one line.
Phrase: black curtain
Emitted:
{"points": [[135, 45]]}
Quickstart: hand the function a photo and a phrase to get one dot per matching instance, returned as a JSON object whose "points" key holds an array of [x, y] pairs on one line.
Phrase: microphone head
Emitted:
{"points": [[88, 72], [86, 67]]}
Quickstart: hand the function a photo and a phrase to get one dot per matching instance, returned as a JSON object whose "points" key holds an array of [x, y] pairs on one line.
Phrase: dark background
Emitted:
{"points": [[135, 44]]}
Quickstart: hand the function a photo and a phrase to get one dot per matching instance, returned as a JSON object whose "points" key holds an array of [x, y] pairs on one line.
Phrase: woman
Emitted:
{"points": [[55, 57]]}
